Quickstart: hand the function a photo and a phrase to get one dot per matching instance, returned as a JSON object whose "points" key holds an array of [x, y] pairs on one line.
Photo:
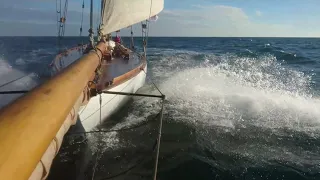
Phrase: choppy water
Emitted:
{"points": [[236, 108]]}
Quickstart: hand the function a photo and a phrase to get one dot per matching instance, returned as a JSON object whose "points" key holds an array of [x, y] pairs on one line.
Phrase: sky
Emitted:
{"points": [[205, 18]]}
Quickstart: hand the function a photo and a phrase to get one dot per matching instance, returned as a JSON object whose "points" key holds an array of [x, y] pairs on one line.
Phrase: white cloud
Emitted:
{"points": [[258, 13], [199, 21], [219, 21]]}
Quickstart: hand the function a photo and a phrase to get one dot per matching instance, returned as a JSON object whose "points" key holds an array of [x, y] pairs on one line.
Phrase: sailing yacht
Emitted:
{"points": [[81, 89]]}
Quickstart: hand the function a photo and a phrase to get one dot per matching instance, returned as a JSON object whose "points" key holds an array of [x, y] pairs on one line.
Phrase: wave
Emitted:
{"points": [[14, 79], [244, 108], [244, 88]]}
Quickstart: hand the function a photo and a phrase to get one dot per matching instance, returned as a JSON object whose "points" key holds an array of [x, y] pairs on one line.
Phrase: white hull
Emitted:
{"points": [[90, 114]]}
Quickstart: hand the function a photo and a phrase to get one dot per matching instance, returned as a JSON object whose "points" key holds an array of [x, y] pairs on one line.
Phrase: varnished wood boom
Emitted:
{"points": [[29, 124]]}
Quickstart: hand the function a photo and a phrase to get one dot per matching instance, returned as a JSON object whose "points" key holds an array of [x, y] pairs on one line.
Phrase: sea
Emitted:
{"points": [[235, 108]]}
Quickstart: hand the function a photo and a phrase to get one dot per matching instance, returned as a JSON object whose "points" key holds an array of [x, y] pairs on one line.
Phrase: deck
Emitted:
{"points": [[118, 67], [112, 71]]}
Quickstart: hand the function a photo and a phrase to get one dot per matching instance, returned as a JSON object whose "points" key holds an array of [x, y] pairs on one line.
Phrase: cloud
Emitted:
{"points": [[220, 21], [217, 21], [258, 13]]}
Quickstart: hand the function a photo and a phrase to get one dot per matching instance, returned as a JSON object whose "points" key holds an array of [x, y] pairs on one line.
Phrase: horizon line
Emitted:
{"points": [[178, 36]]}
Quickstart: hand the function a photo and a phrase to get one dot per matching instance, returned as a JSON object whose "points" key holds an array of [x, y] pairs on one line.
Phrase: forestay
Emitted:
{"points": [[118, 14]]}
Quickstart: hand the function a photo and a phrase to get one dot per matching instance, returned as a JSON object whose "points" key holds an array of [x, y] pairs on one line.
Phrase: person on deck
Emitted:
{"points": [[117, 39]]}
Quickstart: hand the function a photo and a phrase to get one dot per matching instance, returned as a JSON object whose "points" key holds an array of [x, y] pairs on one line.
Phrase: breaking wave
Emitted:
{"points": [[244, 91], [13, 79], [251, 108]]}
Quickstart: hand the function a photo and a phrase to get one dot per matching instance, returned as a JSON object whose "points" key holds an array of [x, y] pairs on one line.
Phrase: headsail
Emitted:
{"points": [[118, 14]]}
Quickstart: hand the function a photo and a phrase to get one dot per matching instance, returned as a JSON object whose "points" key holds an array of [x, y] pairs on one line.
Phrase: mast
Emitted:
{"points": [[102, 9], [91, 24], [100, 34]]}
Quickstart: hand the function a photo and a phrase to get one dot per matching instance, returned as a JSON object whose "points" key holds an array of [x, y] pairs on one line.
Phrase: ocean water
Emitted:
{"points": [[235, 108]]}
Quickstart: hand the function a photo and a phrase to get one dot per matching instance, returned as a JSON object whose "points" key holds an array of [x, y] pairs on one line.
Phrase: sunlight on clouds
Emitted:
{"points": [[197, 20], [219, 21]]}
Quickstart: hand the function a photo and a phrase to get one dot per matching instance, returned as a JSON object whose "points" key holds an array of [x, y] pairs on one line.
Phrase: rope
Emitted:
{"points": [[142, 160], [158, 140], [14, 92], [153, 83], [13, 80], [148, 24], [98, 18], [100, 102], [158, 144], [161, 115], [155, 146], [61, 22], [131, 42], [64, 16], [96, 163], [134, 94], [160, 122], [145, 33], [57, 21]]}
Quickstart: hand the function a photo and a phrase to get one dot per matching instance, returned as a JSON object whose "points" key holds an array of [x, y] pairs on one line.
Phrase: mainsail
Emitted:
{"points": [[118, 14]]}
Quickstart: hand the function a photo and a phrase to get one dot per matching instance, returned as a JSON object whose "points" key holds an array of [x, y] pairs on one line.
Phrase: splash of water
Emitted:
{"points": [[250, 103], [244, 91], [248, 108], [14, 79]]}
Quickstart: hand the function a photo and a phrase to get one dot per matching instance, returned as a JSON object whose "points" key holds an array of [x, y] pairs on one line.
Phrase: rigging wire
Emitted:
{"points": [[98, 152], [13, 81], [142, 160], [82, 19], [157, 141], [65, 16], [100, 102], [14, 92], [162, 105], [155, 146], [57, 15], [131, 42], [61, 21], [148, 23], [58, 11], [98, 19]]}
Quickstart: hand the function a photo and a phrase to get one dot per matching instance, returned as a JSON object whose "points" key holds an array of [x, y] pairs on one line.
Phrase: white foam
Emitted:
{"points": [[219, 98], [14, 80], [229, 92], [241, 91]]}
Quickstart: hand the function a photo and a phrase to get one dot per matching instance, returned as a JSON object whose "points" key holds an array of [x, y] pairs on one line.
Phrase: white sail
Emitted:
{"points": [[118, 14]]}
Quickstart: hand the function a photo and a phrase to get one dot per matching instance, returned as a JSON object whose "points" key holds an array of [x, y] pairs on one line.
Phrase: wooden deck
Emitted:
{"points": [[117, 67], [114, 72]]}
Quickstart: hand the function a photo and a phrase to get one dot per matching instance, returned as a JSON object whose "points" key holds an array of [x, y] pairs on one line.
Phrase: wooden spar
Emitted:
{"points": [[29, 124]]}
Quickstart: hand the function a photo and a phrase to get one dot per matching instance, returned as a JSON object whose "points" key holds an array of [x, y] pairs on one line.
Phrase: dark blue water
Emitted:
{"points": [[236, 108]]}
